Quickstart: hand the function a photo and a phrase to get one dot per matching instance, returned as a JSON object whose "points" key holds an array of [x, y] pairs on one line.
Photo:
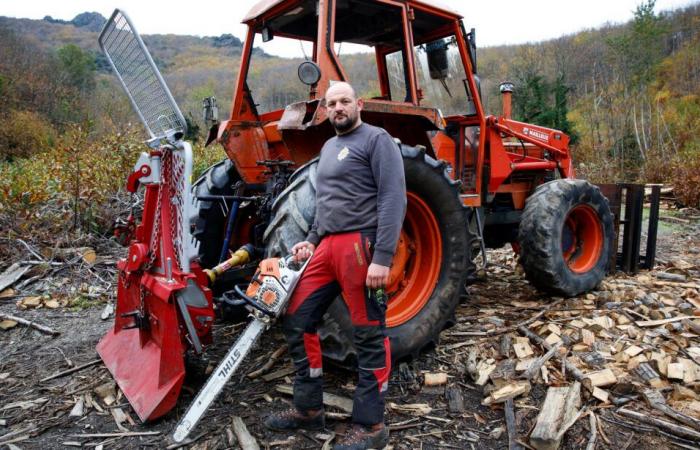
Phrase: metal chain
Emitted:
{"points": [[152, 251], [175, 190]]}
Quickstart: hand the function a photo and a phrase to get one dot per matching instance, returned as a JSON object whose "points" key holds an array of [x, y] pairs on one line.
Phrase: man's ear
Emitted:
{"points": [[360, 104]]}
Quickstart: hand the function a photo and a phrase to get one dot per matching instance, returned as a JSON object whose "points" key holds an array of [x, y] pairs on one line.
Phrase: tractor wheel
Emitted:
{"points": [[565, 236], [430, 268], [210, 223]]}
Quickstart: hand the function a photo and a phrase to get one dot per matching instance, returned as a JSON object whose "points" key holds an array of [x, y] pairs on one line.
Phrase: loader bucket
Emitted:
{"points": [[146, 361]]}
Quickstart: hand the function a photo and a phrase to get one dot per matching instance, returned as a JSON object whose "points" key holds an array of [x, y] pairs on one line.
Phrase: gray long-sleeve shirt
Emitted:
{"points": [[361, 186]]}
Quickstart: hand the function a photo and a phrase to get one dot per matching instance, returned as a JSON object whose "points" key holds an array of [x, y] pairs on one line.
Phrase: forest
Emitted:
{"points": [[628, 95]]}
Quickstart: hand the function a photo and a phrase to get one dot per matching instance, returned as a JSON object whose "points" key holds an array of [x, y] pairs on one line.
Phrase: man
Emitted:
{"points": [[360, 206]]}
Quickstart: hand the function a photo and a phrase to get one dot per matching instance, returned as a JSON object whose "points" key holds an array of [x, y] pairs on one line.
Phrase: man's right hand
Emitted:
{"points": [[303, 250]]}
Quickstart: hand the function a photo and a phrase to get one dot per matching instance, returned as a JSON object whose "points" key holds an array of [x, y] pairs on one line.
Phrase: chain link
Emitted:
{"points": [[175, 190], [152, 251]]}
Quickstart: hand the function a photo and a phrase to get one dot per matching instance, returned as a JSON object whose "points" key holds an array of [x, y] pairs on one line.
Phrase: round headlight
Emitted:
{"points": [[506, 86], [309, 72]]}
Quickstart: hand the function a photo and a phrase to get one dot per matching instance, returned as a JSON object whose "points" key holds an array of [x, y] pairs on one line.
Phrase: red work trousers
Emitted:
{"points": [[339, 266]]}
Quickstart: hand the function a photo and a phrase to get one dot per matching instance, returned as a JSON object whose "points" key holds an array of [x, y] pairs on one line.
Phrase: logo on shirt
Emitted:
{"points": [[343, 154]]}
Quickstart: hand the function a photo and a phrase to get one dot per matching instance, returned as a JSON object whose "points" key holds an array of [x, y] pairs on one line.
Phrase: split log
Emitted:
{"points": [[534, 368], [435, 379], [599, 378], [336, 401], [669, 427], [512, 327], [657, 401], [245, 440], [670, 276], [270, 362], [415, 409], [278, 374], [692, 325], [455, 399], [510, 390], [29, 323], [509, 411], [558, 413], [655, 323], [594, 432], [569, 368], [12, 274], [505, 344]]}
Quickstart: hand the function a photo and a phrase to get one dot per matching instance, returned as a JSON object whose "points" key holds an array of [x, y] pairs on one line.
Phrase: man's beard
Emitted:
{"points": [[344, 124]]}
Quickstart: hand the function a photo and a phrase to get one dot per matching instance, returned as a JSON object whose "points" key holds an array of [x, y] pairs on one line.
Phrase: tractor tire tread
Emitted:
{"points": [[539, 235]]}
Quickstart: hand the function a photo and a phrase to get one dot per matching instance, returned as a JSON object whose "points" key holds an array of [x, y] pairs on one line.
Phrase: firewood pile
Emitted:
{"points": [[628, 353], [618, 367]]}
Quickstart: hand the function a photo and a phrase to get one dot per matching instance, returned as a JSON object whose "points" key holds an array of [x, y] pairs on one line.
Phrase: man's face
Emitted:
{"points": [[343, 108]]}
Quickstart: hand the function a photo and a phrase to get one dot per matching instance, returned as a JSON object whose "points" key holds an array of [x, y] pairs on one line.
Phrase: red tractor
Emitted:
{"points": [[474, 181]]}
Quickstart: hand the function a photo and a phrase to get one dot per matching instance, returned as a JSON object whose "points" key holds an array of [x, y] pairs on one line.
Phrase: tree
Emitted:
{"points": [[78, 67], [544, 103]]}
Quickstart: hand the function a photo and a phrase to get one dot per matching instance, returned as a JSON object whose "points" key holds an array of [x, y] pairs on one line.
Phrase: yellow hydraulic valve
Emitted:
{"points": [[238, 258]]}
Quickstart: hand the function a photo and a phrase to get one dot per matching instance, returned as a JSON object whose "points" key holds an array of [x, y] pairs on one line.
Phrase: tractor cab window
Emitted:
{"points": [[368, 26], [441, 77], [272, 80], [360, 65], [396, 70]]}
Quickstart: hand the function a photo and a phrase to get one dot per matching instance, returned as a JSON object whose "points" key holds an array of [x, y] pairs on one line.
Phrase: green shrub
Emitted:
{"points": [[686, 177], [77, 183], [23, 134]]}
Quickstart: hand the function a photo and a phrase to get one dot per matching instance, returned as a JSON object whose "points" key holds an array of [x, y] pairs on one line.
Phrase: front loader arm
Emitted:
{"points": [[520, 147]]}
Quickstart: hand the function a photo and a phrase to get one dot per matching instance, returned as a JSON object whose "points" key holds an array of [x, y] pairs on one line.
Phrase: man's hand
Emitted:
{"points": [[303, 250], [377, 276]]}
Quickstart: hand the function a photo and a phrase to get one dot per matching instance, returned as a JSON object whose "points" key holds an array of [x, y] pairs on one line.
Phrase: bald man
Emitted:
{"points": [[360, 206]]}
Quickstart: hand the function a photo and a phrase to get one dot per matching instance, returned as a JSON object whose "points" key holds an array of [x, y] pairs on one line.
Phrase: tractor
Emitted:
{"points": [[474, 181]]}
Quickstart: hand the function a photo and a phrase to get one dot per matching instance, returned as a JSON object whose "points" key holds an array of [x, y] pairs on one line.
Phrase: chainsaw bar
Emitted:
{"points": [[273, 286], [221, 375]]}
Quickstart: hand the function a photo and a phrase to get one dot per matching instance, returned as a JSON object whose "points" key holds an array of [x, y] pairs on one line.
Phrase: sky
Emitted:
{"points": [[496, 22]]}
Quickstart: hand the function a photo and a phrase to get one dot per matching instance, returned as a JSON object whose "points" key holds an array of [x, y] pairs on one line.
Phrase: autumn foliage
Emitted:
{"points": [[629, 96]]}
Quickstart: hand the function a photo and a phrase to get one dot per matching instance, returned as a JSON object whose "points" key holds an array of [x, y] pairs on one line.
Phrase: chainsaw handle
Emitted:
{"points": [[242, 295], [287, 259]]}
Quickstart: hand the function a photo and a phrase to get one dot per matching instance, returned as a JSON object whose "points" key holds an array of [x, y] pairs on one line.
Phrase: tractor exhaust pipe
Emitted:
{"points": [[507, 90]]}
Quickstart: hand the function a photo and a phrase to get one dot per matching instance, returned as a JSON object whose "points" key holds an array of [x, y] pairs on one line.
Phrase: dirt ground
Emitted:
{"points": [[36, 414]]}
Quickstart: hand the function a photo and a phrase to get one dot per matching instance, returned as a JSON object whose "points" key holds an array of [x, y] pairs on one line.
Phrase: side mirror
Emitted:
{"points": [[210, 111], [437, 59], [309, 73], [267, 34]]}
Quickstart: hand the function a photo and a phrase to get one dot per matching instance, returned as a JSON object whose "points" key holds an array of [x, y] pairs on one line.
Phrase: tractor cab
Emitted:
{"points": [[412, 63]]}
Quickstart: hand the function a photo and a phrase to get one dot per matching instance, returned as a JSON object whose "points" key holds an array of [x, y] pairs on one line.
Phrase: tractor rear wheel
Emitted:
{"points": [[210, 224], [565, 237], [429, 270]]}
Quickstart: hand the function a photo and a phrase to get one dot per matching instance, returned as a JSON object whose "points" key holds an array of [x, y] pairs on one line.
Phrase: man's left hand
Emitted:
{"points": [[377, 276]]}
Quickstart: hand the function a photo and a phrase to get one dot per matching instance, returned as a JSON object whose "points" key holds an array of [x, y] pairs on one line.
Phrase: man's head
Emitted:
{"points": [[343, 107]]}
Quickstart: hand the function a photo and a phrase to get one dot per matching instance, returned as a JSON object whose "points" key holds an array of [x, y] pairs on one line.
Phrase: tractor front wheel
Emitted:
{"points": [[565, 237]]}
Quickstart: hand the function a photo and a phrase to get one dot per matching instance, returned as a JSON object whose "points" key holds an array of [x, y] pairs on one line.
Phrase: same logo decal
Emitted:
{"points": [[343, 154]]}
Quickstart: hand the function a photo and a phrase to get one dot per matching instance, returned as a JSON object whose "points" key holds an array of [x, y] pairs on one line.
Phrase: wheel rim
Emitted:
{"points": [[411, 287], [582, 239]]}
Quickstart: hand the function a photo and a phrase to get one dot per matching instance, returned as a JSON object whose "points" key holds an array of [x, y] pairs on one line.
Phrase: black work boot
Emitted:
{"points": [[293, 419], [364, 438]]}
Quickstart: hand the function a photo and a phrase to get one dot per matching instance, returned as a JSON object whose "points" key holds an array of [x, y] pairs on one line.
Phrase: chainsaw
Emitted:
{"points": [[266, 298]]}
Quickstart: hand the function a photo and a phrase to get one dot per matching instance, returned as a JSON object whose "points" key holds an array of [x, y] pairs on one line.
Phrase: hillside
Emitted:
{"points": [[627, 94]]}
